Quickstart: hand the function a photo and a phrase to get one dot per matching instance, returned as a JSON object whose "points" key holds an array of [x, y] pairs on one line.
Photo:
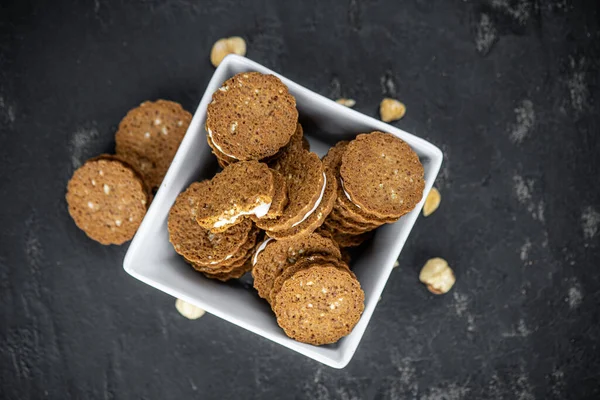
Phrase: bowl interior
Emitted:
{"points": [[151, 257]]}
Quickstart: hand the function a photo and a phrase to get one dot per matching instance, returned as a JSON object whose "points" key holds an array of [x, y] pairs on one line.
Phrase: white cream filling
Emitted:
{"points": [[217, 146], [347, 194], [316, 204], [259, 250], [260, 211], [225, 259]]}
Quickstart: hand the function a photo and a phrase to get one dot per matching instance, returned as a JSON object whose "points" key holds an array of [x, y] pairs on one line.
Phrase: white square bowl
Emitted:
{"points": [[151, 257]]}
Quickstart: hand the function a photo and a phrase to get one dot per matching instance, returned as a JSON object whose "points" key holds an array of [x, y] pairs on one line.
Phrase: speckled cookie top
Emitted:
{"points": [[107, 200], [251, 116], [382, 174], [149, 136], [319, 305]]}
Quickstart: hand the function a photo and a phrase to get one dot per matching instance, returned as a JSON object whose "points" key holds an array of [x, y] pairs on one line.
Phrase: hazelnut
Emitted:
{"points": [[437, 275], [391, 110], [188, 310], [225, 46], [346, 102], [432, 202]]}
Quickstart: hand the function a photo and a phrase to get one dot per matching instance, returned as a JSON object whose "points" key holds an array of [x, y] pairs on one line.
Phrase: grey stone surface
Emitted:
{"points": [[507, 88]]}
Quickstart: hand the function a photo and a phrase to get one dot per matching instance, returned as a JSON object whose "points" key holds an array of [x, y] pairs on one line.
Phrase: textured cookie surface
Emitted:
{"points": [[251, 116], [333, 160], [280, 197], [316, 216], [275, 256], [107, 200], [303, 263], [241, 189], [149, 136], [196, 244], [382, 174], [319, 305], [304, 176]]}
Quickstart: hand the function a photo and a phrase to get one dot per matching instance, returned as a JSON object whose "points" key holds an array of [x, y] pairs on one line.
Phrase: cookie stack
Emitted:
{"points": [[109, 195], [380, 180], [313, 293], [223, 255]]}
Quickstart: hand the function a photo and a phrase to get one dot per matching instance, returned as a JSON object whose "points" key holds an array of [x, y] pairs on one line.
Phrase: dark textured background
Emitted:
{"points": [[507, 88]]}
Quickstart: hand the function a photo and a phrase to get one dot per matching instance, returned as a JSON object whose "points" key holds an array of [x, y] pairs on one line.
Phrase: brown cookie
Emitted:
{"points": [[319, 305], [304, 175], [233, 274], [316, 216], [149, 136], [251, 116], [107, 200], [241, 189], [303, 263], [348, 209], [344, 239], [272, 257], [382, 175], [196, 244], [280, 198]]}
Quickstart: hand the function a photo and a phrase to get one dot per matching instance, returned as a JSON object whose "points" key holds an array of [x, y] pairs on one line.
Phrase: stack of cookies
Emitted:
{"points": [[109, 195], [220, 255], [380, 180], [313, 293], [307, 208]]}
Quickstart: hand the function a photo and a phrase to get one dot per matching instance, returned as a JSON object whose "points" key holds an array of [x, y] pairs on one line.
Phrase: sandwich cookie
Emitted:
{"points": [[273, 256], [305, 181], [240, 190], [319, 304], [382, 175], [107, 199], [198, 245], [252, 116], [149, 136]]}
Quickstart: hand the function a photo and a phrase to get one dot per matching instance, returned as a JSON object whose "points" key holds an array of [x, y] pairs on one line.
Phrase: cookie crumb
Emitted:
{"points": [[391, 110], [437, 275], [432, 202], [188, 310], [346, 102], [225, 46]]}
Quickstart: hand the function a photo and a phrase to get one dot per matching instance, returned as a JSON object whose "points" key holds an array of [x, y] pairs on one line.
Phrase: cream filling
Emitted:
{"points": [[347, 194], [259, 250], [316, 204], [225, 259], [217, 146], [260, 211]]}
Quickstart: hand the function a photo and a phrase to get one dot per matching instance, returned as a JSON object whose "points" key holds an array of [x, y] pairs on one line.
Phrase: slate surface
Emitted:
{"points": [[507, 88]]}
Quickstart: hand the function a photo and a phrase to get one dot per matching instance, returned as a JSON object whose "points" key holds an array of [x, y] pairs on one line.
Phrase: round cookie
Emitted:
{"points": [[196, 244], [274, 256], [107, 200], [322, 312], [241, 189], [305, 177], [346, 226], [149, 136], [316, 216], [303, 263], [333, 160], [251, 116], [382, 175]]}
